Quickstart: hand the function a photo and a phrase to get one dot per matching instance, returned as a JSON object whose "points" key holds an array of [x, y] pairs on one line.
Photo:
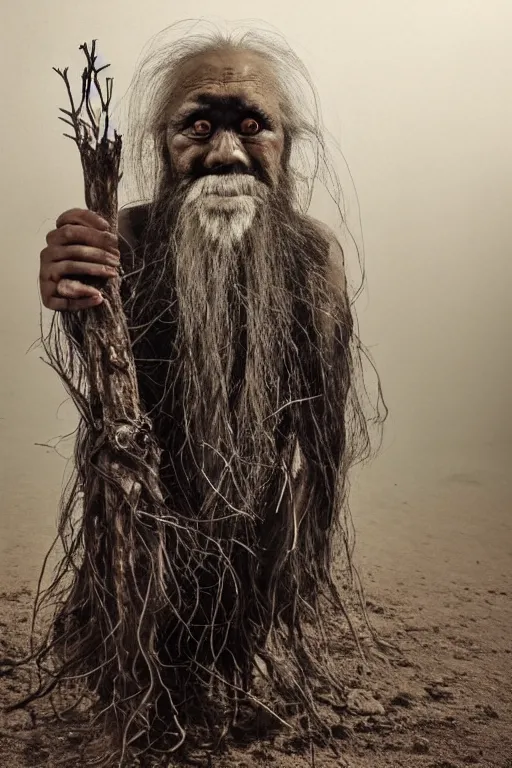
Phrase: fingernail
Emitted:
{"points": [[104, 223]]}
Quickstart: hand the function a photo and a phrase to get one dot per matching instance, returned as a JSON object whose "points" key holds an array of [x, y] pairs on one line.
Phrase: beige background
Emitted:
{"points": [[418, 94]]}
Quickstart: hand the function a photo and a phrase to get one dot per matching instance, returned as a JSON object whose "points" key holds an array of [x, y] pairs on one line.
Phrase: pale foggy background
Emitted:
{"points": [[418, 95]]}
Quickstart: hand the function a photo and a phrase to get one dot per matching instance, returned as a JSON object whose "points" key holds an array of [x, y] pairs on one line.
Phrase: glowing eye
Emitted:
{"points": [[202, 128], [250, 127]]}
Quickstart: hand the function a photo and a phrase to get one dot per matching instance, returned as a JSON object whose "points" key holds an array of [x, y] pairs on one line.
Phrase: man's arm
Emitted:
{"points": [[335, 319]]}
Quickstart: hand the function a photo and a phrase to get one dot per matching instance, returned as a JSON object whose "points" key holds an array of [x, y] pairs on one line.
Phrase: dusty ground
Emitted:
{"points": [[436, 557]]}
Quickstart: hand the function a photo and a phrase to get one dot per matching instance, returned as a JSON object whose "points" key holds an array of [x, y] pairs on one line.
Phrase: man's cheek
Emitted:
{"points": [[267, 160], [269, 156], [183, 155]]}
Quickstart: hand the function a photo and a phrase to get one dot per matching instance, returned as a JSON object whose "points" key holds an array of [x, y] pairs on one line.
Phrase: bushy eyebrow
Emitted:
{"points": [[205, 103]]}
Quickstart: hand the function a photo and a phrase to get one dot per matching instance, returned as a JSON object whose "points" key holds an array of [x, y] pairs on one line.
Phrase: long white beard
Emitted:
{"points": [[224, 206], [218, 215]]}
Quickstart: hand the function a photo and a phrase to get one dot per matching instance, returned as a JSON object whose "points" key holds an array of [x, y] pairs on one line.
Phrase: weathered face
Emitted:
{"points": [[225, 118]]}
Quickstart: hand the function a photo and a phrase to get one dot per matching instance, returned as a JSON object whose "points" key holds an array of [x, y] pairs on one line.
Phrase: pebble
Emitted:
{"points": [[420, 745], [439, 692], [362, 702], [340, 731], [403, 699]]}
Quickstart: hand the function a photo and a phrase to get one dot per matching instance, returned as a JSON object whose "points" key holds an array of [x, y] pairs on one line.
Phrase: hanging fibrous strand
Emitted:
{"points": [[210, 468], [112, 582]]}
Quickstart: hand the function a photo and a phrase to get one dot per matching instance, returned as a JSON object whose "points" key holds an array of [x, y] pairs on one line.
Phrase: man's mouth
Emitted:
{"points": [[229, 170]]}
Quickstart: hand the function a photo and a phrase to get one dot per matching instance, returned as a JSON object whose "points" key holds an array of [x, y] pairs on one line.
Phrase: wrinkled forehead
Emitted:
{"points": [[242, 74]]}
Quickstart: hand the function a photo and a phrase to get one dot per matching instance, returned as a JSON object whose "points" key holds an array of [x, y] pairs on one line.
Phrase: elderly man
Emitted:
{"points": [[243, 339]]}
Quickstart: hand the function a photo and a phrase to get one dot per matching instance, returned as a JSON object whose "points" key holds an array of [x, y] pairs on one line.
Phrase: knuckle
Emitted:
{"points": [[70, 214], [67, 232], [46, 298], [99, 258], [95, 268], [109, 240], [63, 268], [50, 236], [74, 252], [44, 270]]}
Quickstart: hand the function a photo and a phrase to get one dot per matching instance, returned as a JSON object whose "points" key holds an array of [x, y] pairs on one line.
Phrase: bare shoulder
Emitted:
{"points": [[335, 259], [320, 227], [131, 222]]}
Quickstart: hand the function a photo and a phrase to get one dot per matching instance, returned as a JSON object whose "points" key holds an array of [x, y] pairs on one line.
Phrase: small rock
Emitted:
{"points": [[420, 745], [19, 721], [403, 662], [361, 702], [294, 744], [403, 699], [450, 721], [439, 692], [374, 607], [442, 681], [415, 628], [340, 731]]}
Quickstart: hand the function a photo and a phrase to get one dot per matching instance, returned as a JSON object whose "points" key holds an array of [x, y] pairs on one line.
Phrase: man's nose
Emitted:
{"points": [[226, 149]]}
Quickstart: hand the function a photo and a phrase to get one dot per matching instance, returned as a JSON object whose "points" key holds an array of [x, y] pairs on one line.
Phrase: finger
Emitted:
{"points": [[73, 305], [82, 216], [68, 288], [59, 269], [55, 253], [74, 234]]}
